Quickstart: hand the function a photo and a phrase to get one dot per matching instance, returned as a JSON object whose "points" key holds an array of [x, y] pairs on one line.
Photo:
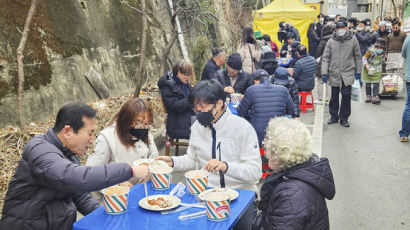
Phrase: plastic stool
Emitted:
{"points": [[303, 105], [265, 165]]}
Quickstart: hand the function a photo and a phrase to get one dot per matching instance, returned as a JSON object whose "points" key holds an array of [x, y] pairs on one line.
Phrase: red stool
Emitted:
{"points": [[265, 165], [303, 105]]}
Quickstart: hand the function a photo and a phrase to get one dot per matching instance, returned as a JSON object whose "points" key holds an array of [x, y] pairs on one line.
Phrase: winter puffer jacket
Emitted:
{"points": [[178, 107], [363, 38], [327, 34], [292, 89], [49, 186], [295, 199], [304, 73], [263, 102], [341, 59], [242, 83], [313, 40], [247, 52]]}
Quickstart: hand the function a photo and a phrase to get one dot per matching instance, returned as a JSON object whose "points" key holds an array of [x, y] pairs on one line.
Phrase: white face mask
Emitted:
{"points": [[360, 29], [341, 32]]}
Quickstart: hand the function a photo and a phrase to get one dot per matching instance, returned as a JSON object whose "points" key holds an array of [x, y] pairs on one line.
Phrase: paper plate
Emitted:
{"points": [[150, 162], [234, 194], [174, 201]]}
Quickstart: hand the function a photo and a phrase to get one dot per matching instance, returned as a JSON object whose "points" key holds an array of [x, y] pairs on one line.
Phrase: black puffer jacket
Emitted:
{"points": [[49, 186], [326, 35], [304, 73], [313, 40], [295, 199], [178, 107], [363, 38], [242, 83], [292, 88]]}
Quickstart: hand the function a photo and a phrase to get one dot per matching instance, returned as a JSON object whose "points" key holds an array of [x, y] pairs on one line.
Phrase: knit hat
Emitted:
{"points": [[380, 42], [282, 25], [235, 61]]}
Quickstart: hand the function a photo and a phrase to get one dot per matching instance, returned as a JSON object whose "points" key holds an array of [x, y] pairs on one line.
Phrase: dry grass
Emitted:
{"points": [[13, 140]]}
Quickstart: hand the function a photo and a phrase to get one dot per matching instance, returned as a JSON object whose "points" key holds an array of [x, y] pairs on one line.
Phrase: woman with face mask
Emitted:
{"points": [[372, 70], [127, 138]]}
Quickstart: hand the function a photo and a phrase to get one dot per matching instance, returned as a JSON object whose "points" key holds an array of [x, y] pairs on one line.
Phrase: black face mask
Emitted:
{"points": [[138, 134], [205, 118], [396, 33]]}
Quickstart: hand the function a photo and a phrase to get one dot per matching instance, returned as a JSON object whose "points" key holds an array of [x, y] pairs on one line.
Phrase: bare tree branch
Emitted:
{"points": [[143, 46], [20, 63]]}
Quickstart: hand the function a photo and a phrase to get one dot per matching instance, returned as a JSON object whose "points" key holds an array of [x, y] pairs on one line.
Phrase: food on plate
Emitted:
{"points": [[161, 202], [144, 164]]}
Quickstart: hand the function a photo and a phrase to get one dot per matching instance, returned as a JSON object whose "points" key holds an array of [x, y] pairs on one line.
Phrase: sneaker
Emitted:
{"points": [[404, 139], [345, 124], [332, 120], [368, 99]]}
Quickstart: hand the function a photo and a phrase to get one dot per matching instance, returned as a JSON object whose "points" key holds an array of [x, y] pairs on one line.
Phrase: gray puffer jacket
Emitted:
{"points": [[49, 186], [341, 59]]}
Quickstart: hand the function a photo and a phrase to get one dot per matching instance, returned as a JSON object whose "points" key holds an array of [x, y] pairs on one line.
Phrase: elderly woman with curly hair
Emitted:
{"points": [[294, 196]]}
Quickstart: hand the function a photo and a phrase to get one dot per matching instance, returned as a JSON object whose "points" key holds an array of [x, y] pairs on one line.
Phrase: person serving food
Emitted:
{"points": [[221, 141]]}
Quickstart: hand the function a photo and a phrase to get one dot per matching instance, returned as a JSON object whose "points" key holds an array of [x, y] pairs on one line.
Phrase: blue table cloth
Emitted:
{"points": [[233, 110], [138, 218]]}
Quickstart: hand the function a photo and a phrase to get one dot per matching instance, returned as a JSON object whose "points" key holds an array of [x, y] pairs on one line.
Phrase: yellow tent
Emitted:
{"points": [[291, 11]]}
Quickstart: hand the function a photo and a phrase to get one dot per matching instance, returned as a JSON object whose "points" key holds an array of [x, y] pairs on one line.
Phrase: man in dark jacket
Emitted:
{"points": [[363, 37], [233, 78], [283, 78], [214, 64], [264, 101], [175, 89], [50, 185], [304, 71]]}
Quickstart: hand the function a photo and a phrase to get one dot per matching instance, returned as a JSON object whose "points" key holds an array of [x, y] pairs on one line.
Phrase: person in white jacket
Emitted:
{"points": [[127, 138], [221, 141]]}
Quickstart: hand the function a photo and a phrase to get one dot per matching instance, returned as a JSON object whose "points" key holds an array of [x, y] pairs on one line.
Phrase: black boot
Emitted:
{"points": [[332, 120], [345, 124]]}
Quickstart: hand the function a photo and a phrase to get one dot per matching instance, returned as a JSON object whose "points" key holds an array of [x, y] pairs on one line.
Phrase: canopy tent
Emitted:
{"points": [[290, 11]]}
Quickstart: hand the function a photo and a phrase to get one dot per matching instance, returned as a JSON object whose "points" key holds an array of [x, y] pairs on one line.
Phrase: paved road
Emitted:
{"points": [[371, 168]]}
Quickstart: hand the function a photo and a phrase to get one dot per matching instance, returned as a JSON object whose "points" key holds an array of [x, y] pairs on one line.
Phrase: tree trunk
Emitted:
{"points": [[143, 46], [167, 49], [20, 64]]}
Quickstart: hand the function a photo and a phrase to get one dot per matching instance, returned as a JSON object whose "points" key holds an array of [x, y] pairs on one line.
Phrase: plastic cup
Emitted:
{"points": [[217, 205], [236, 98], [115, 199], [196, 181], [161, 177]]}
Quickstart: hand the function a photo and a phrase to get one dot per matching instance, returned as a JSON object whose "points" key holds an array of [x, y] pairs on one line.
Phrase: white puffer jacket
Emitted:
{"points": [[239, 148]]}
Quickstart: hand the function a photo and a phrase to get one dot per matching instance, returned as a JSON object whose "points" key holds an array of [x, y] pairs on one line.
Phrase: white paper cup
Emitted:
{"points": [[236, 98], [161, 177], [196, 181], [217, 205], [115, 199]]}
